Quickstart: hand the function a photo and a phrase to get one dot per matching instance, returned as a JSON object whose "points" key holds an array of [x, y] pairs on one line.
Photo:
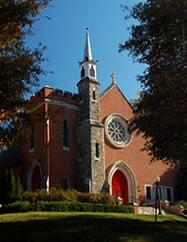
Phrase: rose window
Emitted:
{"points": [[117, 131]]}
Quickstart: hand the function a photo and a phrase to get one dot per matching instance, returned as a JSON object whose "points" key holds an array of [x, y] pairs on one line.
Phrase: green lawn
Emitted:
{"points": [[80, 227]]}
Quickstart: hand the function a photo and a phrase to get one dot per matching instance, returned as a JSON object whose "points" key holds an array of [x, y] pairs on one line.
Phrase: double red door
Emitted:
{"points": [[120, 186]]}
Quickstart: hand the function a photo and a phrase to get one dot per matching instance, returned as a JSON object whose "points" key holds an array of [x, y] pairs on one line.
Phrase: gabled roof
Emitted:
{"points": [[112, 85]]}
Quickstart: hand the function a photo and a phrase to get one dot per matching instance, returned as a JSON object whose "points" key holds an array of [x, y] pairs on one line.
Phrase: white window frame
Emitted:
{"points": [[163, 190], [145, 192]]}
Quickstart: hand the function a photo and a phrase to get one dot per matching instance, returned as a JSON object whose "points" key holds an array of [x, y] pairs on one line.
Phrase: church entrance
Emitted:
{"points": [[120, 186], [36, 178]]}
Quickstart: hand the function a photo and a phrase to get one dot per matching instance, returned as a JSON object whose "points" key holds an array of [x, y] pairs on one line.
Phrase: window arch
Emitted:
{"points": [[34, 176], [65, 133], [32, 138], [82, 72], [92, 71]]}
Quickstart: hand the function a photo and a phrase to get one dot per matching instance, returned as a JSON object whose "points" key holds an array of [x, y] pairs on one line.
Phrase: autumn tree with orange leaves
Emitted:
{"points": [[19, 65]]}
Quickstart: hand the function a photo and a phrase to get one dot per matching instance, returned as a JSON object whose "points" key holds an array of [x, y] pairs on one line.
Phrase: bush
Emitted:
{"points": [[53, 195], [17, 207], [183, 203], [69, 195], [65, 206], [10, 187], [103, 198]]}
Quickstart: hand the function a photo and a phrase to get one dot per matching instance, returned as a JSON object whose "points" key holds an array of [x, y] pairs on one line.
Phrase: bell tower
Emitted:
{"points": [[91, 130]]}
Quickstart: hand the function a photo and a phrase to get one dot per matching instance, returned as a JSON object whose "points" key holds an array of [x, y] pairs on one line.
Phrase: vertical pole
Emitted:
{"points": [[156, 201], [159, 197], [47, 146]]}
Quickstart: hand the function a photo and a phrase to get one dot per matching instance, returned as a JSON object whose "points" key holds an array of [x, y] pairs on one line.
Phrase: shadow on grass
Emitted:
{"points": [[92, 228]]}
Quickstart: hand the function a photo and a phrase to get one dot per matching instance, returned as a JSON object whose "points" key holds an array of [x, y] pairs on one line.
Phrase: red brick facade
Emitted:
{"points": [[49, 107], [82, 141]]}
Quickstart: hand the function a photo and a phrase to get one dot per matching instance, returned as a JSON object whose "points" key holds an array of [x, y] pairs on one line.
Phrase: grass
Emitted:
{"points": [[92, 227]]}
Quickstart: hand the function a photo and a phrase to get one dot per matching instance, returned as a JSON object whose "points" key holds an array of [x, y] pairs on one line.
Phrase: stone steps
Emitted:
{"points": [[149, 210]]}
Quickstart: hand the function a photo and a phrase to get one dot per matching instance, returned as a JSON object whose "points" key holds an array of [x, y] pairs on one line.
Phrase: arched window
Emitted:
{"points": [[97, 150], [31, 138], [65, 132], [92, 71], [94, 96], [82, 72]]}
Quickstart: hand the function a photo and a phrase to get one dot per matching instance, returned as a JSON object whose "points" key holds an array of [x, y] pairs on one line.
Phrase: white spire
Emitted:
{"points": [[87, 50], [88, 65]]}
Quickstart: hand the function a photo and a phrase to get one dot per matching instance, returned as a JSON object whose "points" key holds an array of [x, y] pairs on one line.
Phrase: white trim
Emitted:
{"points": [[163, 190], [145, 193], [131, 180], [37, 106], [30, 172], [55, 102], [123, 119], [65, 148], [60, 103]]}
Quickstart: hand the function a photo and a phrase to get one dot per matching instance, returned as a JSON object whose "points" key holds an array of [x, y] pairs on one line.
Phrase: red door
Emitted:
{"points": [[36, 179], [120, 186]]}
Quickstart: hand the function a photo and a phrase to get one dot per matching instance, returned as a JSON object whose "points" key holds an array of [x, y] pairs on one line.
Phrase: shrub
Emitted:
{"points": [[65, 206], [69, 195], [103, 198], [18, 207], [18, 189], [10, 187], [183, 203], [53, 195]]}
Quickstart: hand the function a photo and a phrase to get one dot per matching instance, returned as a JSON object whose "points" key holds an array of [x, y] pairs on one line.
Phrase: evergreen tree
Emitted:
{"points": [[159, 42], [18, 189], [10, 187], [19, 65]]}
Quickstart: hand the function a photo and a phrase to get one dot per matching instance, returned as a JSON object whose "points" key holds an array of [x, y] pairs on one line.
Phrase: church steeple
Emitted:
{"points": [[90, 163], [87, 50], [88, 65]]}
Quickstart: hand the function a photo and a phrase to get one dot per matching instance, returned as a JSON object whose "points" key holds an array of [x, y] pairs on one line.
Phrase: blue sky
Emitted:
{"points": [[64, 37]]}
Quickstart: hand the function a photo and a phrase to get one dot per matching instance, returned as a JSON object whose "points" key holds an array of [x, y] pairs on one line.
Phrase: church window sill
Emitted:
{"points": [[31, 150], [66, 149], [97, 159]]}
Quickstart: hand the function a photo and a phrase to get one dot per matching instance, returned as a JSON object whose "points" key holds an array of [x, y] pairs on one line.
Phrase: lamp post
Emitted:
{"points": [[157, 198]]}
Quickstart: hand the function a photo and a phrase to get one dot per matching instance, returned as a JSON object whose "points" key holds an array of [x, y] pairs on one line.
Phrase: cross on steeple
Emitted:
{"points": [[114, 77]]}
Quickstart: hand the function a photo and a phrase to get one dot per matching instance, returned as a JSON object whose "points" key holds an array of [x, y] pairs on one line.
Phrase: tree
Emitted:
{"points": [[158, 41], [10, 187], [19, 65]]}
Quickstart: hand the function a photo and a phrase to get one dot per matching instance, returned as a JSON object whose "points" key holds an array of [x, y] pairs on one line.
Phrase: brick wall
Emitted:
{"points": [[145, 171]]}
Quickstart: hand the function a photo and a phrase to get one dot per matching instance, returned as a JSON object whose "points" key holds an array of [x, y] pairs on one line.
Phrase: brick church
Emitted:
{"points": [[82, 141]]}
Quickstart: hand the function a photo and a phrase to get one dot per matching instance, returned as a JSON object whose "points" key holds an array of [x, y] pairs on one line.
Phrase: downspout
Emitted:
{"points": [[47, 131]]}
